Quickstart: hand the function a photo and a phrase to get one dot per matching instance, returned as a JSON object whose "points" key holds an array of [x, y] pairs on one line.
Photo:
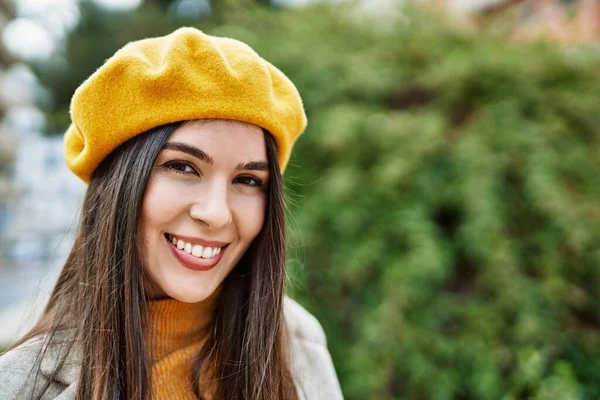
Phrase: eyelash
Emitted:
{"points": [[169, 165]]}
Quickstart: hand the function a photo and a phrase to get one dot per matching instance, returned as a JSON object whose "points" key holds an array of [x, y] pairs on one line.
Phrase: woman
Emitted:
{"points": [[174, 287]]}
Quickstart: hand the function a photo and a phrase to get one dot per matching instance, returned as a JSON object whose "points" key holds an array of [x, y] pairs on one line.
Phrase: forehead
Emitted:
{"points": [[224, 139]]}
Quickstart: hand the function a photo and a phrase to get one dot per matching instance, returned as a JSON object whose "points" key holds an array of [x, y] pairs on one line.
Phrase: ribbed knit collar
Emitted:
{"points": [[174, 325]]}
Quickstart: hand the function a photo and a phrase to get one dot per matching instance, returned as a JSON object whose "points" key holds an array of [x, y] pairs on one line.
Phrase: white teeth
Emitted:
{"points": [[197, 251], [206, 253]]}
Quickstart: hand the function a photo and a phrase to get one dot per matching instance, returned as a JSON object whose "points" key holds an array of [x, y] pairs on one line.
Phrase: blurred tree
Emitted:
{"points": [[445, 199]]}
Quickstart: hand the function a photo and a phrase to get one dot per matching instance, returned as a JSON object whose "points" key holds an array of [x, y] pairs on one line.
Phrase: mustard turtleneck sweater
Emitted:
{"points": [[177, 332]]}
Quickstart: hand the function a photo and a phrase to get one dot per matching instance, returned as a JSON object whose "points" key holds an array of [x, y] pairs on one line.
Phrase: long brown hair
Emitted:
{"points": [[99, 298]]}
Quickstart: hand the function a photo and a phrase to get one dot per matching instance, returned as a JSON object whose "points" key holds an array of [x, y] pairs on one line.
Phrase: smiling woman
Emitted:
{"points": [[174, 287], [209, 178]]}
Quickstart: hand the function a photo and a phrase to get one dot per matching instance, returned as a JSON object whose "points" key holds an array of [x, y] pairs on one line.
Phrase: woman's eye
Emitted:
{"points": [[179, 167], [251, 181]]}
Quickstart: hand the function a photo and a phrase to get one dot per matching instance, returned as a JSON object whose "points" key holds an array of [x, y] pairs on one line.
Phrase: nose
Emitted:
{"points": [[212, 207]]}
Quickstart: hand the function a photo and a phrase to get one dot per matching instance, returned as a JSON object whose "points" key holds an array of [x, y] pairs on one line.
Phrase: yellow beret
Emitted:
{"points": [[185, 75]]}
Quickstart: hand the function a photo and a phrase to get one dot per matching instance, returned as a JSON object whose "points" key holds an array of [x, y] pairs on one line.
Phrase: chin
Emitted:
{"points": [[193, 295], [185, 285]]}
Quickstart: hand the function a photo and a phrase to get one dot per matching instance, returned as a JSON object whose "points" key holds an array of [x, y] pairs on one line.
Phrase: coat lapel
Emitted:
{"points": [[68, 373]]}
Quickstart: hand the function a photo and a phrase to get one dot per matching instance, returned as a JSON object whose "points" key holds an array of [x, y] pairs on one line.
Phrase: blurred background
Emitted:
{"points": [[444, 219]]}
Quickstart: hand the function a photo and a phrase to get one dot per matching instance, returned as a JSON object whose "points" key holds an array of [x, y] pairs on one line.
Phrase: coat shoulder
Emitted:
{"points": [[311, 362], [302, 324], [33, 366], [16, 367]]}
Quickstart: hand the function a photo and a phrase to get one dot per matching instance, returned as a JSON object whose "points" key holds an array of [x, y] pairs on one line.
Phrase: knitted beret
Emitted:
{"points": [[185, 75]]}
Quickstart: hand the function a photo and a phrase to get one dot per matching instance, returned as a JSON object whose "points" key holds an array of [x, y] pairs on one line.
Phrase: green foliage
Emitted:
{"points": [[445, 200]]}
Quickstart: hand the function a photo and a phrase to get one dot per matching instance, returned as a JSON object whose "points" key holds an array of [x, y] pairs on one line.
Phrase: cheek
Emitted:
{"points": [[157, 210], [250, 216], [157, 207]]}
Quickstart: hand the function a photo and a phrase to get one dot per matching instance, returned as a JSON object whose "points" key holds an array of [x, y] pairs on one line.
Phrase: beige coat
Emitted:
{"points": [[311, 364]]}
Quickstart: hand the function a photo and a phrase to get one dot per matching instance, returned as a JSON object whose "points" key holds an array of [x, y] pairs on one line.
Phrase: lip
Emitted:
{"points": [[200, 241], [195, 263]]}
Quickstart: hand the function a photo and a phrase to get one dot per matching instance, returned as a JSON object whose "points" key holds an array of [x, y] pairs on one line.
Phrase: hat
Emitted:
{"points": [[185, 75]]}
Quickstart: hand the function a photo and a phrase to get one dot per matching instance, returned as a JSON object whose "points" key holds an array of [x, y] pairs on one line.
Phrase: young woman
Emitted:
{"points": [[174, 287]]}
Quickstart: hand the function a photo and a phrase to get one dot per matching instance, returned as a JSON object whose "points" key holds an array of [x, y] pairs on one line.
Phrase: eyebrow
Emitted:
{"points": [[203, 156]]}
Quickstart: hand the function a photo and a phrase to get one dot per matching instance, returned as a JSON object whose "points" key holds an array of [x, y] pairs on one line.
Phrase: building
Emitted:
{"points": [[43, 215], [7, 139], [565, 21]]}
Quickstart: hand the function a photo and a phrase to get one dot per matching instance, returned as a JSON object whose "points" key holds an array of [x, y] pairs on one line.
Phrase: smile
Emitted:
{"points": [[195, 255], [195, 250]]}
